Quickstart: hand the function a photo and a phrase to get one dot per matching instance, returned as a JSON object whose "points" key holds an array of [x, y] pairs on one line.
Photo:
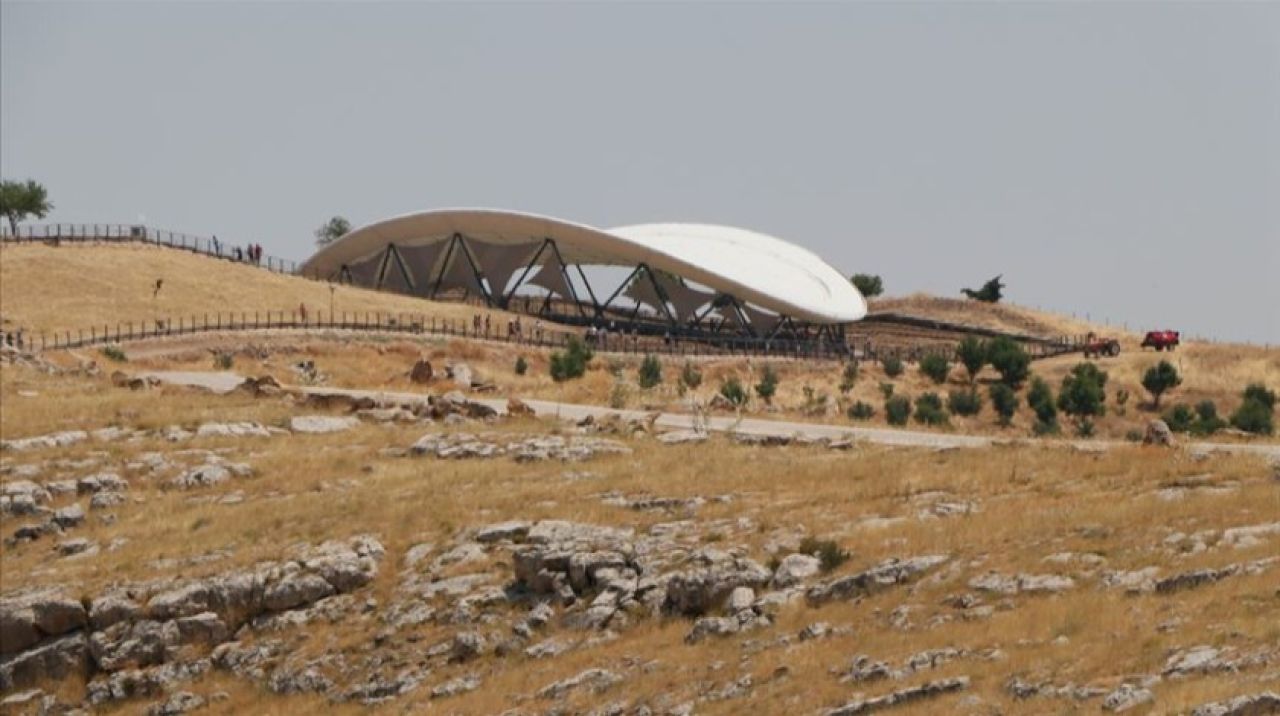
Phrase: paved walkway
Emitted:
{"points": [[224, 382]]}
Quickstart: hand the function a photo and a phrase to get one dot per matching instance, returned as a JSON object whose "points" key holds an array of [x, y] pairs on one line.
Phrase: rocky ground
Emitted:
{"points": [[168, 550]]}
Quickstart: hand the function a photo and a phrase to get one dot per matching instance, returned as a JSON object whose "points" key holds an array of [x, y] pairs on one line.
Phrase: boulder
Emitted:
{"points": [[202, 476], [296, 590], [882, 576], [69, 516], [1158, 433], [1127, 696], [794, 569], [512, 531], [1267, 702], [927, 690], [52, 660], [319, 424], [705, 587], [422, 372], [461, 374], [595, 680]]}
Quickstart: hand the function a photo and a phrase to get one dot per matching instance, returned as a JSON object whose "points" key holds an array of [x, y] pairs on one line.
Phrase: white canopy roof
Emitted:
{"points": [[768, 272]]}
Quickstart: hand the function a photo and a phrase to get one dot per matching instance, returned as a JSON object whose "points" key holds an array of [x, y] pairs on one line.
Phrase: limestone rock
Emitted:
{"points": [[320, 424], [882, 576], [1158, 433], [927, 690], [794, 569], [1267, 702], [1126, 696]]}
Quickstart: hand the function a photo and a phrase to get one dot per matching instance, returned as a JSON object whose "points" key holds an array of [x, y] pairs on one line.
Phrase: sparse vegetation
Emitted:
{"points": [[114, 353], [892, 366], [1180, 418], [848, 377], [690, 376], [619, 394], [935, 367], [572, 362], [830, 555], [1040, 400], [861, 411], [223, 360], [886, 390], [522, 365], [1083, 393], [897, 410], [768, 384], [1010, 360], [929, 410], [1207, 420], [972, 354], [964, 402], [1256, 412], [332, 230], [1159, 379], [733, 391], [650, 373]]}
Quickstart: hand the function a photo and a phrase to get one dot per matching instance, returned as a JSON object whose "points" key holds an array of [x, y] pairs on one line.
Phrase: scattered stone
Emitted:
{"points": [[1267, 702], [680, 437], [794, 569], [179, 703], [927, 690], [460, 685], [1158, 433], [320, 424], [1018, 583], [232, 430], [202, 476], [596, 680], [467, 646], [1127, 696], [69, 516], [513, 531], [40, 442], [880, 577]]}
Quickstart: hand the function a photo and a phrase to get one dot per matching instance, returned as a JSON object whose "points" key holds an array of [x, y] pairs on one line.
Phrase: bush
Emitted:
{"points": [[115, 353], [572, 362], [650, 372], [522, 365], [892, 366], [929, 410], [1255, 414], [690, 376], [972, 354], [1180, 418], [868, 285], [1084, 428], [1134, 435], [768, 385], [848, 377], [815, 403], [733, 391], [1040, 400], [619, 394], [861, 411], [935, 367], [1159, 378], [827, 551], [897, 410], [886, 389], [1083, 395], [1010, 360], [964, 402], [1044, 427], [1207, 420], [1005, 401], [1122, 397], [223, 360]]}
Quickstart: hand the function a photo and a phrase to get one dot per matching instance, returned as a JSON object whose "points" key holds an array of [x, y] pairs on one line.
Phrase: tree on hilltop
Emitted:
{"points": [[989, 293], [332, 230], [868, 285], [18, 200]]}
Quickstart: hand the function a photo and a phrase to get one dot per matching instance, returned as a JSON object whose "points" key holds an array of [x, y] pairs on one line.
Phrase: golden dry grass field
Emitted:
{"points": [[1006, 511]]}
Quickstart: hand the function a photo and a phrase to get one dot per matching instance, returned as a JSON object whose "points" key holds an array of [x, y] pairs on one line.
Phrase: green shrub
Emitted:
{"points": [[861, 411], [1180, 418], [768, 385], [1255, 414], [619, 395], [936, 367], [1040, 400], [223, 360], [690, 376], [1207, 420], [1122, 397], [733, 391], [1082, 395], [1044, 427], [572, 362], [848, 377], [886, 389], [114, 353], [1159, 378], [972, 354], [650, 372], [892, 366], [897, 410], [522, 365], [964, 402], [868, 285], [1084, 428], [829, 554], [815, 403], [929, 410], [1010, 360], [1005, 401]]}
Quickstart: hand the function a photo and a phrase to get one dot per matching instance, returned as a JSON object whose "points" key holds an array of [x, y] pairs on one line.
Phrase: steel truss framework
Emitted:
{"points": [[734, 321]]}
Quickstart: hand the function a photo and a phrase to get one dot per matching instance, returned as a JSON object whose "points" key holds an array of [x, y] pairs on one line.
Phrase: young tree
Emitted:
{"points": [[936, 367], [522, 365], [1040, 400], [733, 391], [972, 353], [892, 366], [1005, 401], [897, 410], [1160, 378], [18, 200], [1083, 393], [572, 362], [964, 402], [848, 377], [1255, 414], [868, 285], [1010, 360], [690, 376], [989, 293], [768, 385], [332, 230], [929, 410], [650, 372]]}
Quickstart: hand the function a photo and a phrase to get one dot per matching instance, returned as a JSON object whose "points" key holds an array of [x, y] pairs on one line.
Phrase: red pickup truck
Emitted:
{"points": [[1161, 340]]}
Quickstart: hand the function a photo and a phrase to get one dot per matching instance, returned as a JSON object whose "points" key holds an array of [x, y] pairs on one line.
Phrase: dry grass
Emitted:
{"points": [[1032, 502], [44, 288], [999, 316]]}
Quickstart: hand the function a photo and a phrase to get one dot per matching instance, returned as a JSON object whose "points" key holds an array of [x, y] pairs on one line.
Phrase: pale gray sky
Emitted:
{"points": [[1116, 160]]}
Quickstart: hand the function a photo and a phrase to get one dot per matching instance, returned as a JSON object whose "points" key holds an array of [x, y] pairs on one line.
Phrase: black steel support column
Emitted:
{"points": [[448, 254], [506, 300], [404, 269], [475, 271]]}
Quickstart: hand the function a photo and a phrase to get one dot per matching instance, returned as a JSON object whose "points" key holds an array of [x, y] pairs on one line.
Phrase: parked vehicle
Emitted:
{"points": [[1095, 345], [1161, 340]]}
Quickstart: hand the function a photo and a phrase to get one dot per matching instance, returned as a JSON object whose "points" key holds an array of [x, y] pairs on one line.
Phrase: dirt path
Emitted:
{"points": [[224, 381]]}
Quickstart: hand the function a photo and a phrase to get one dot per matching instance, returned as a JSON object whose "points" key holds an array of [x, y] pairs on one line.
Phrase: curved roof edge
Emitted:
{"points": [[766, 271]]}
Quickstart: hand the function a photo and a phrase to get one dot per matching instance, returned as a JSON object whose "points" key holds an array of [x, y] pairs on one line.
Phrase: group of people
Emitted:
{"points": [[251, 253], [481, 325]]}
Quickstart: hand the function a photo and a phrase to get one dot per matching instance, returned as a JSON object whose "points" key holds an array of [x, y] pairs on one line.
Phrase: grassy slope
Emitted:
{"points": [[1032, 502], [43, 288]]}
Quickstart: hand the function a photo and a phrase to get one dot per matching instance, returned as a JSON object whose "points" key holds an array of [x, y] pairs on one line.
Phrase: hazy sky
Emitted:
{"points": [[1116, 160]]}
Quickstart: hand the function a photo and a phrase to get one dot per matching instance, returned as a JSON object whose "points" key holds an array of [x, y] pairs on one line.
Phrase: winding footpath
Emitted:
{"points": [[224, 382]]}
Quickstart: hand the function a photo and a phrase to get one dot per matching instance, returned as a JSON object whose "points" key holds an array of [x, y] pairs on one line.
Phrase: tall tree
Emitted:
{"points": [[332, 230], [991, 291], [868, 285], [1160, 378], [18, 200]]}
